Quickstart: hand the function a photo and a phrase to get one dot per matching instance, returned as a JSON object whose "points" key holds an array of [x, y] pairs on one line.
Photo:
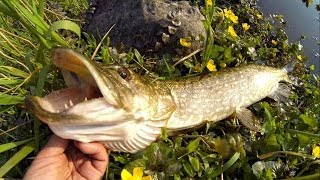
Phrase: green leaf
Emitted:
{"points": [[42, 79], [188, 168], [215, 51], [15, 159], [152, 153], [8, 146], [6, 99], [138, 56], [226, 166], [177, 177], [271, 143], [164, 134], [172, 167], [303, 139], [121, 159], [136, 163], [312, 67], [65, 24], [195, 163], [308, 120], [188, 64], [227, 53], [193, 145]]}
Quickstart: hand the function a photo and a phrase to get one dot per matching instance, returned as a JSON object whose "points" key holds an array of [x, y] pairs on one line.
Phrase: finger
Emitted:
{"points": [[94, 149], [97, 153], [55, 146]]}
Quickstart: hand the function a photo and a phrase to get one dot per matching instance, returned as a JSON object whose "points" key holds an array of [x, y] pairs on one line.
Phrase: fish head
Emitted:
{"points": [[102, 103]]}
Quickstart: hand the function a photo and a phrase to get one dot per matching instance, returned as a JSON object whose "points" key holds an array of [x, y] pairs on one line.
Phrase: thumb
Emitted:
{"points": [[55, 146]]}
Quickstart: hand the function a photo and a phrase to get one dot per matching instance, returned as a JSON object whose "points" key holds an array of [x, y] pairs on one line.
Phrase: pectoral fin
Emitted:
{"points": [[247, 118]]}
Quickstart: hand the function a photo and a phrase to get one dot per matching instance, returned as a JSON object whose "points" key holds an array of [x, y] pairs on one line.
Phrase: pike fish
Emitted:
{"points": [[126, 111]]}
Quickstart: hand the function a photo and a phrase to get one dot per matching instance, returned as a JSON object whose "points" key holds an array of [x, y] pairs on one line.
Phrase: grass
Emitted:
{"points": [[290, 133]]}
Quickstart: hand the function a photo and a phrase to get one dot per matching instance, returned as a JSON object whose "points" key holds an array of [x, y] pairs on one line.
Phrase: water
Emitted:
{"points": [[301, 20]]}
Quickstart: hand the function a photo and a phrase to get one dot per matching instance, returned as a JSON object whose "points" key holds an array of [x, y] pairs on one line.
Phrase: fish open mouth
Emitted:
{"points": [[68, 99], [89, 92]]}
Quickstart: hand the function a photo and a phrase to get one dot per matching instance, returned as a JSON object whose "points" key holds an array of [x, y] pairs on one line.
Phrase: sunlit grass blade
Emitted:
{"points": [[32, 21], [41, 80], [310, 135], [6, 99], [309, 177], [8, 146], [7, 81], [15, 159], [226, 166], [65, 24], [14, 71], [39, 89], [270, 154]]}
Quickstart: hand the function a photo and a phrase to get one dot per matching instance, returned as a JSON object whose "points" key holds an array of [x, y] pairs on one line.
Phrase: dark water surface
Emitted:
{"points": [[301, 20]]}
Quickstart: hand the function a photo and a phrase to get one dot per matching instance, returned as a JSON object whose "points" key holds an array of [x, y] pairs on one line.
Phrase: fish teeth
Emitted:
{"points": [[85, 99], [66, 106], [71, 103]]}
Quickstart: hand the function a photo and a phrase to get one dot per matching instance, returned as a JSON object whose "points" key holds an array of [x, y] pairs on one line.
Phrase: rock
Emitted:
{"points": [[147, 25]]}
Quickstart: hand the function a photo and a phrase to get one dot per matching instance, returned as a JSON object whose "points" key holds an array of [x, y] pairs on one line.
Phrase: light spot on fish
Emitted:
{"points": [[189, 110], [183, 95]]}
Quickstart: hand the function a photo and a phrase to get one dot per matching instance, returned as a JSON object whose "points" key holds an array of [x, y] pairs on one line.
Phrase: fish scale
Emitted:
{"points": [[222, 93]]}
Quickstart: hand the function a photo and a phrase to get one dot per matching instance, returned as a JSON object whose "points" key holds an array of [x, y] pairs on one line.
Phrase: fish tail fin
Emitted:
{"points": [[290, 79], [289, 67], [281, 93]]}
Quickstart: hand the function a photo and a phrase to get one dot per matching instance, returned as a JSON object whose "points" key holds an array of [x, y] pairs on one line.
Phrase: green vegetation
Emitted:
{"points": [[287, 146]]}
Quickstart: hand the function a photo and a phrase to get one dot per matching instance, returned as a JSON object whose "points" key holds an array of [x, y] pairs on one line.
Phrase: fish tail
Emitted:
{"points": [[290, 79], [281, 93], [289, 67]]}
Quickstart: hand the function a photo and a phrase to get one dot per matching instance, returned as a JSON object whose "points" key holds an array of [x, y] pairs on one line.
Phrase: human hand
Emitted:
{"points": [[62, 159]]}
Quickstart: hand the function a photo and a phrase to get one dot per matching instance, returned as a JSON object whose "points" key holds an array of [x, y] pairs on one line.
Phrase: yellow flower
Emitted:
{"points": [[245, 26], [230, 15], [316, 151], [274, 42], [259, 16], [209, 2], [220, 14], [211, 66], [232, 32], [185, 42], [137, 175], [299, 57]]}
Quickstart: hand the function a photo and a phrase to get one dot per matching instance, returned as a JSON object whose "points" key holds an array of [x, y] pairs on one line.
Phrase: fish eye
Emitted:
{"points": [[124, 73]]}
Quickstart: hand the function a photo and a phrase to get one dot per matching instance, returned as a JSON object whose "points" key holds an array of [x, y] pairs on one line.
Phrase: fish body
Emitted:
{"points": [[125, 111]]}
